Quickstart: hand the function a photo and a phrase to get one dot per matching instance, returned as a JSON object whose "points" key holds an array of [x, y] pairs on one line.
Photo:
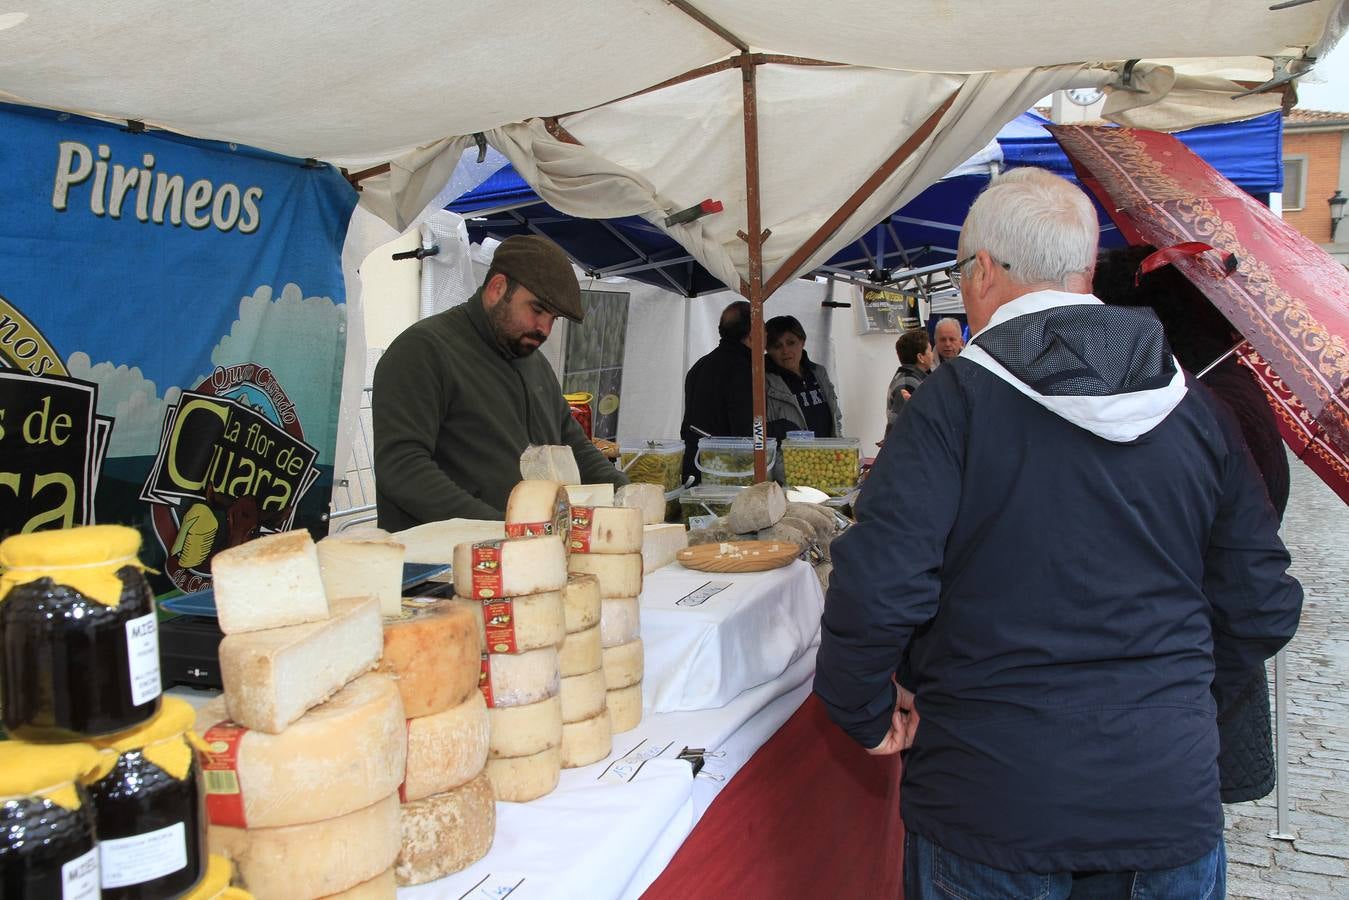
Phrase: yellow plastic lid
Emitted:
{"points": [[214, 883], [46, 770], [166, 738], [578, 397], [86, 559]]}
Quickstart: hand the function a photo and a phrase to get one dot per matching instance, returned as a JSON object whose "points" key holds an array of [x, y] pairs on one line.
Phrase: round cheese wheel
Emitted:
{"points": [[518, 679], [447, 749], [525, 730], [341, 756], [606, 529], [620, 574], [538, 507], [580, 653], [620, 621], [581, 602], [512, 567], [623, 664], [446, 832], [315, 859], [587, 741], [520, 779], [433, 649], [382, 887], [625, 708], [583, 696]]}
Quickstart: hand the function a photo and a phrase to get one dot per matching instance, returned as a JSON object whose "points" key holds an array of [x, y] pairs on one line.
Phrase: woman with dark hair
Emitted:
{"points": [[1199, 334], [798, 393]]}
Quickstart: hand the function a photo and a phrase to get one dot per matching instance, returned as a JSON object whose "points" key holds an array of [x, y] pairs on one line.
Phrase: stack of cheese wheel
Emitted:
{"points": [[515, 585], [606, 541], [307, 747], [434, 650], [586, 731]]}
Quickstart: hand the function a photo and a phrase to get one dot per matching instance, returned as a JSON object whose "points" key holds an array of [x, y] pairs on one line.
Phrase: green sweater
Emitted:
{"points": [[451, 416]]}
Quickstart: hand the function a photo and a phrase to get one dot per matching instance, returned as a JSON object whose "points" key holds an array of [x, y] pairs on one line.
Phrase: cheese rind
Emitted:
{"points": [[620, 621], [518, 624], [315, 859], [382, 887], [590, 494], [447, 832], [447, 749], [582, 696], [363, 564], [525, 730], [513, 567], [520, 779], [587, 741], [519, 679], [581, 603], [625, 708], [339, 757], [549, 462], [660, 544], [434, 649], [580, 653], [538, 507], [605, 529], [620, 574], [623, 664], [271, 677], [648, 498], [269, 582]]}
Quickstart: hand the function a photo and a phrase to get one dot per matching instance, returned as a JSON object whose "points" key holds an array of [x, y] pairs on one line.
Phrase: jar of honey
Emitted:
{"points": [[47, 838], [79, 640]]}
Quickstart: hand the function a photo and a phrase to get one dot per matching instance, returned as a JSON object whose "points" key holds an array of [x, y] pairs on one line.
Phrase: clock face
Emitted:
{"points": [[1084, 96]]}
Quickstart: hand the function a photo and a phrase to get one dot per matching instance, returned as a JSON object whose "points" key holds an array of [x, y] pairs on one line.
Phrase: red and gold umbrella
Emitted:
{"points": [[1287, 296]]}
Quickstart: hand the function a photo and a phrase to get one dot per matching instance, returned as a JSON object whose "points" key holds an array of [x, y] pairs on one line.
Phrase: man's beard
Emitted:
{"points": [[512, 345]]}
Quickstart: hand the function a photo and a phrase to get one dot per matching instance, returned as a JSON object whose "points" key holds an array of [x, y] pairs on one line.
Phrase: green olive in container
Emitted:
{"points": [[828, 464], [653, 462], [47, 831], [730, 460], [704, 502]]}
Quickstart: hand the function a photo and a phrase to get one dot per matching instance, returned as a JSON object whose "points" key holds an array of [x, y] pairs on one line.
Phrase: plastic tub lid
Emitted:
{"points": [[702, 492], [661, 446], [822, 443]]}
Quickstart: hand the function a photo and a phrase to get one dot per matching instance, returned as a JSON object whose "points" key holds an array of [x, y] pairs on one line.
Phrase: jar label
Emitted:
{"points": [[220, 774], [142, 653], [143, 857], [79, 877]]}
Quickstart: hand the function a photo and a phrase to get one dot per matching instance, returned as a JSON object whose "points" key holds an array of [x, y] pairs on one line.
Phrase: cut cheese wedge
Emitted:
{"points": [[580, 653], [591, 494], [519, 679], [537, 508], [312, 860], [648, 498], [550, 462], [363, 564], [433, 543], [447, 749], [447, 832], [525, 730], [510, 568], [623, 664], [339, 757], [581, 603], [269, 582], [582, 696], [434, 649], [523, 778], [606, 529], [620, 621], [660, 544], [620, 574], [382, 887], [587, 741], [271, 677], [625, 708]]}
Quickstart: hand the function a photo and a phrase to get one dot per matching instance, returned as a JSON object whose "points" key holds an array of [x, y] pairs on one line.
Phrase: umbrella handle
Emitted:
{"points": [[1168, 255]]}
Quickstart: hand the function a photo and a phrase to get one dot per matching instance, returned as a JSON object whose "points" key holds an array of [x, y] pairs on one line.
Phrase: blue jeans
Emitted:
{"points": [[932, 873]]}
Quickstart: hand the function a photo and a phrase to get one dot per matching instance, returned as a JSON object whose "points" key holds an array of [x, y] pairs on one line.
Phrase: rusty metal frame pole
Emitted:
{"points": [[754, 238]]}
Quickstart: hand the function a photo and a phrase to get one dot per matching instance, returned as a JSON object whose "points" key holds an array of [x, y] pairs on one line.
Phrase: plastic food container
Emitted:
{"points": [[706, 501], [730, 460], [79, 639], [654, 462], [47, 843], [829, 464]]}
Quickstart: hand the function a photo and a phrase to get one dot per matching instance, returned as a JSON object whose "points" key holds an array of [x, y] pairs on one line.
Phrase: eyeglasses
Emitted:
{"points": [[954, 273]]}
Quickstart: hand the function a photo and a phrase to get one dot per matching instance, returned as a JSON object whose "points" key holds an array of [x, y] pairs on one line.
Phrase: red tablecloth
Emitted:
{"points": [[810, 815]]}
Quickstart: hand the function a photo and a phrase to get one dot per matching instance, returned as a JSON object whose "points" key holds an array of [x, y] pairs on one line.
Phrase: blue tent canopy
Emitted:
{"points": [[915, 243]]}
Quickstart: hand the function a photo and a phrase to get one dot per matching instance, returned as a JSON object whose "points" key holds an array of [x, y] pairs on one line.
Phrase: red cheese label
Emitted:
{"points": [[498, 619], [220, 772], [582, 517], [529, 529], [487, 569], [485, 679]]}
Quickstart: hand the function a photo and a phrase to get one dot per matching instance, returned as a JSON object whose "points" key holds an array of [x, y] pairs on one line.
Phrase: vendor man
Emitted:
{"points": [[459, 395]]}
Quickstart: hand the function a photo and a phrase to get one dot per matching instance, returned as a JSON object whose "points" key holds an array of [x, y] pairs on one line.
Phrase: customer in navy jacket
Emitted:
{"points": [[1097, 553]]}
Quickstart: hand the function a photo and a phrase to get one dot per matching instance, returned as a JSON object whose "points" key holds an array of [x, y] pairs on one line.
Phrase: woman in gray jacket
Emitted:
{"points": [[799, 395]]}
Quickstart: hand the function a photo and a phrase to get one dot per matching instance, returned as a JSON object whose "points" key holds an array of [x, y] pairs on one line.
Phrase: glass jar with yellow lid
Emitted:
{"points": [[47, 838]]}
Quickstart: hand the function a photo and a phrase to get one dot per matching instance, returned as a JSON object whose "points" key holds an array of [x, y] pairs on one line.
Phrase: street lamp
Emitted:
{"points": [[1336, 211]]}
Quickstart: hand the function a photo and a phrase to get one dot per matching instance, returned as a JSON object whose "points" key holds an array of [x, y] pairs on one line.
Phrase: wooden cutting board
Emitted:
{"points": [[739, 556]]}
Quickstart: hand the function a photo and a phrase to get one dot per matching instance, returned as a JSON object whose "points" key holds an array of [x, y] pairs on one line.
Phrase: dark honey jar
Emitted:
{"points": [[47, 844], [149, 809], [79, 640]]}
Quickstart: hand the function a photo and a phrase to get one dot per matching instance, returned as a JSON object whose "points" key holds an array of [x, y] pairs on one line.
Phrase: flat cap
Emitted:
{"points": [[542, 267]]}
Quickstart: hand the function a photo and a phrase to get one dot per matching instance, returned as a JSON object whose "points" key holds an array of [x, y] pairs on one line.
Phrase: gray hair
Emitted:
{"points": [[1040, 225], [960, 329]]}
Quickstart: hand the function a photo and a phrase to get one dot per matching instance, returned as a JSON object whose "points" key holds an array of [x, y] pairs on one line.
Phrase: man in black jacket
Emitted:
{"points": [[1096, 554], [717, 390]]}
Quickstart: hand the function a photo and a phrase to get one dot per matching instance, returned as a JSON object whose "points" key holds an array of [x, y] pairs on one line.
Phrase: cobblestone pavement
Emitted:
{"points": [[1315, 863]]}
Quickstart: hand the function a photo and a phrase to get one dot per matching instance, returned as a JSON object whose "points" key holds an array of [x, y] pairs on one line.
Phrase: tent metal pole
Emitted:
{"points": [[1282, 831], [754, 238]]}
